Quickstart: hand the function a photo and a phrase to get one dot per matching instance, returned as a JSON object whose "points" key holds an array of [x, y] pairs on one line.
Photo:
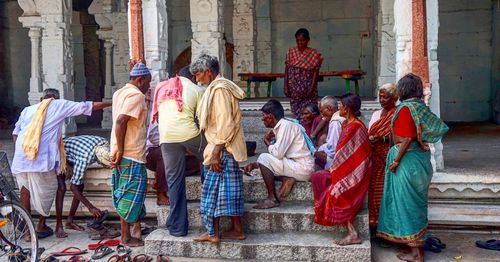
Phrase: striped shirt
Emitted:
{"points": [[80, 152]]}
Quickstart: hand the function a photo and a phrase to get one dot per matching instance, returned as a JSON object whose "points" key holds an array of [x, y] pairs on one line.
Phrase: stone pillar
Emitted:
{"points": [[208, 29], [33, 22], [244, 38], [113, 30], [413, 54], [136, 30], [155, 30], [386, 44], [107, 119]]}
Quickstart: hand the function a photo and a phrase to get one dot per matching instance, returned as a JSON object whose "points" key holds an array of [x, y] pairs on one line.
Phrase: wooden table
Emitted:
{"points": [[347, 75]]}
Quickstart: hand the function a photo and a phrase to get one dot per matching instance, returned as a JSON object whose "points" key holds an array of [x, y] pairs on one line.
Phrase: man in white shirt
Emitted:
{"points": [[290, 156], [329, 111]]}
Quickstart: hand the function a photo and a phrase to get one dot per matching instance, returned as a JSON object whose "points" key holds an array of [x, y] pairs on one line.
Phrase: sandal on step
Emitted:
{"points": [[436, 242], [491, 244], [101, 252], [70, 251], [142, 258]]}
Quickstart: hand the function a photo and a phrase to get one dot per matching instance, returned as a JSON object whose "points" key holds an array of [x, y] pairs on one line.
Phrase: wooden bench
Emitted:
{"points": [[347, 75]]}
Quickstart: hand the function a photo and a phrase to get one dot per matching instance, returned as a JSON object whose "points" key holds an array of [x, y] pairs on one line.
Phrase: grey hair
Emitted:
{"points": [[51, 92], [329, 101], [391, 89], [203, 63]]}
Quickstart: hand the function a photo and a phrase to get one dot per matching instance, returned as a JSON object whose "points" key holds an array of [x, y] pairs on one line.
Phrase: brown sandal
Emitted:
{"points": [[142, 258]]}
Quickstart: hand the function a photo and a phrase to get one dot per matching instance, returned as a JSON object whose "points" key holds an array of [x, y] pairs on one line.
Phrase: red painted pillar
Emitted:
{"points": [[420, 62], [136, 34]]}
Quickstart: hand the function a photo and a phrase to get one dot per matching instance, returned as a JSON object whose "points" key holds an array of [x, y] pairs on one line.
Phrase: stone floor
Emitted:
{"points": [[460, 247]]}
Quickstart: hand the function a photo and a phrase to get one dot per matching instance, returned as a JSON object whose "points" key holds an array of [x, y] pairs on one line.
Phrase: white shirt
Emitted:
{"points": [[334, 130], [290, 142]]}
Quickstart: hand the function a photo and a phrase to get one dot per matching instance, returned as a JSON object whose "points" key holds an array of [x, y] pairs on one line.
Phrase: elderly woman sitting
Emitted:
{"points": [[379, 131]]}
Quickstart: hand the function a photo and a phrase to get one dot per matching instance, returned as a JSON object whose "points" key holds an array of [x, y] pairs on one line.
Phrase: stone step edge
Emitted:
{"points": [[269, 247]]}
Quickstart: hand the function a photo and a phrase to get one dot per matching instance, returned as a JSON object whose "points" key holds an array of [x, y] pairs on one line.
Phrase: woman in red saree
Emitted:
{"points": [[379, 131], [339, 192]]}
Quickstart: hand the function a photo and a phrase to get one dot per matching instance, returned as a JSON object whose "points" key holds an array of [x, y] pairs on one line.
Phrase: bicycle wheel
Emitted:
{"points": [[16, 231]]}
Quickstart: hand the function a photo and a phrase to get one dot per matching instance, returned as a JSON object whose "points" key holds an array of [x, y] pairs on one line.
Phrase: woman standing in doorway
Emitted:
{"points": [[301, 73]]}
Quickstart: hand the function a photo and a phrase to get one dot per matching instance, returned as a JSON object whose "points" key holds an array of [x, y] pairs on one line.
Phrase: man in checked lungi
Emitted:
{"points": [[220, 119], [128, 148]]}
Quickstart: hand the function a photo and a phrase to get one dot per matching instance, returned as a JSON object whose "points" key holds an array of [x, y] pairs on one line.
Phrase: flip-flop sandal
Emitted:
{"points": [[44, 234], [98, 222], [436, 242], [50, 259], [68, 252], [429, 247], [491, 244], [108, 243], [78, 259], [123, 250], [119, 258], [101, 252], [162, 258], [142, 258]]}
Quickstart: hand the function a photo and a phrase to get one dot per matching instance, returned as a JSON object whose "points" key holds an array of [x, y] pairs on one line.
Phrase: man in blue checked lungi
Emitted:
{"points": [[220, 119]]}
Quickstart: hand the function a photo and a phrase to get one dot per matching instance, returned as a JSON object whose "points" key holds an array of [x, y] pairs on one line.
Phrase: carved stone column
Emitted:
{"points": [[35, 34], [403, 35], [136, 30], [208, 29], [111, 16], [244, 37], [155, 30], [107, 119]]}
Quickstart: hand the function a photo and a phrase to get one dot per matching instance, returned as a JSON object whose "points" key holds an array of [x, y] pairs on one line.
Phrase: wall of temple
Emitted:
{"points": [[465, 54], [16, 57], [336, 28]]}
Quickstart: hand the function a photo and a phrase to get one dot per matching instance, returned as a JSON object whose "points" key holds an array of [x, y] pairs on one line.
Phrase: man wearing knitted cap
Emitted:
{"points": [[128, 149]]}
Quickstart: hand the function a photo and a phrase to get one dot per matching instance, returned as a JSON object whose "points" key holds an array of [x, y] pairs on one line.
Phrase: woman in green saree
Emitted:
{"points": [[403, 210]]}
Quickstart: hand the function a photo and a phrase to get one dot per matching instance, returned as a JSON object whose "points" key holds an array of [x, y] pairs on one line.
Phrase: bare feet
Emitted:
{"points": [[233, 235], [350, 239], [73, 226], [286, 187], [162, 199], [207, 238], [266, 204], [133, 242], [60, 232], [135, 231], [410, 257]]}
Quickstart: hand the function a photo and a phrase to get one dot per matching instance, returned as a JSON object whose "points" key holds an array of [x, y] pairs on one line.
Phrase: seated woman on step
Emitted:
{"points": [[339, 192]]}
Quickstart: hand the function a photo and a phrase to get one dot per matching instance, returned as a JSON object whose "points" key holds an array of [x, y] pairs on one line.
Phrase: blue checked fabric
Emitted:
{"points": [[80, 152], [222, 194]]}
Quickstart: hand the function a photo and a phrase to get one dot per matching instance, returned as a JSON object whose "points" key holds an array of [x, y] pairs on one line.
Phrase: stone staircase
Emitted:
{"points": [[286, 233]]}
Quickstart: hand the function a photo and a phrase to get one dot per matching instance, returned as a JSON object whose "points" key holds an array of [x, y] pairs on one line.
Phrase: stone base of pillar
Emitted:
{"points": [[107, 117], [34, 97]]}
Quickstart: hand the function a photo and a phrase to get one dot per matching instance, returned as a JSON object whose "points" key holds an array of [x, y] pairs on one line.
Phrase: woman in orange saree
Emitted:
{"points": [[339, 193], [379, 131]]}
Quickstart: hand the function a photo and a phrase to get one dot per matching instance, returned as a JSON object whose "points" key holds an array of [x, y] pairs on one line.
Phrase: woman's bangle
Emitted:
{"points": [[395, 162]]}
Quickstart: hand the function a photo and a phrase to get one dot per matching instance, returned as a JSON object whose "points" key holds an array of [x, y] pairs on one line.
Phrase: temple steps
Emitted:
{"points": [[294, 246], [288, 217]]}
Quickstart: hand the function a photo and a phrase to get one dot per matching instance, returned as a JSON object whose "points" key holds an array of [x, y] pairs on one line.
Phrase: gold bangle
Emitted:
{"points": [[395, 162]]}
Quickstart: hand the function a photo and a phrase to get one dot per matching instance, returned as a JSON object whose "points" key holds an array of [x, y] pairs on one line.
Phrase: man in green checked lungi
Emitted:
{"points": [[128, 148]]}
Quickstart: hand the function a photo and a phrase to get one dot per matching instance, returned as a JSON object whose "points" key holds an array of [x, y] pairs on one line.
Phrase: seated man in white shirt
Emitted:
{"points": [[329, 111], [290, 156]]}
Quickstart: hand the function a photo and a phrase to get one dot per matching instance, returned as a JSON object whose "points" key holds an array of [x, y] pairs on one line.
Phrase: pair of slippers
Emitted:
{"points": [[45, 234], [138, 258], [74, 252], [491, 244], [434, 245], [102, 251]]}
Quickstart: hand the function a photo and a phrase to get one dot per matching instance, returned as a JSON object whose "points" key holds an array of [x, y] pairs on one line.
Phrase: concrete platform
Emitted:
{"points": [[289, 217], [268, 247]]}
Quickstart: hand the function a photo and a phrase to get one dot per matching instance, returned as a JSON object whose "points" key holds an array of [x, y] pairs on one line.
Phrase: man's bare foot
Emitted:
{"points": [[207, 238], [162, 199], [135, 231], [233, 235], [350, 239], [60, 232], [286, 187], [409, 257], [133, 242], [266, 204], [73, 226]]}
